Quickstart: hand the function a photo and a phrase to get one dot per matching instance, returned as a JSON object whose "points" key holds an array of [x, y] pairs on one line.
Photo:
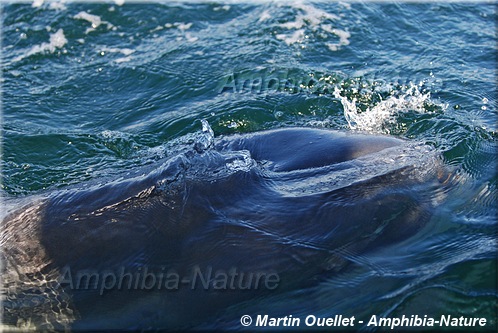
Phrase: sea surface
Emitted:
{"points": [[94, 90]]}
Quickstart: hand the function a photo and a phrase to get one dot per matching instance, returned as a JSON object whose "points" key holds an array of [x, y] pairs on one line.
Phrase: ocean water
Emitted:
{"points": [[95, 91]]}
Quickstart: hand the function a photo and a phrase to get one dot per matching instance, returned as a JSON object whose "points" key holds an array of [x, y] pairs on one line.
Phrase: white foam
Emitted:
{"points": [[190, 38], [95, 20], [57, 41], [124, 51], [265, 15], [295, 37], [225, 8], [57, 5], [37, 3], [297, 24], [119, 2], [345, 4], [123, 59], [183, 26], [342, 34], [158, 28], [314, 15], [314, 19]]}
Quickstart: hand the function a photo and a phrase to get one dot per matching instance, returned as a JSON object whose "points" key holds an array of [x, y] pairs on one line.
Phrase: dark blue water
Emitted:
{"points": [[92, 92]]}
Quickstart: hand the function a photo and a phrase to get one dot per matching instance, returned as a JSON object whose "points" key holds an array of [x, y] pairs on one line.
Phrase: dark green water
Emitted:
{"points": [[91, 91]]}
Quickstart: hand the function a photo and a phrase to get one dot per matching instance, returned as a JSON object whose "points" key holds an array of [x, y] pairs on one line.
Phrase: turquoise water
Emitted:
{"points": [[93, 91]]}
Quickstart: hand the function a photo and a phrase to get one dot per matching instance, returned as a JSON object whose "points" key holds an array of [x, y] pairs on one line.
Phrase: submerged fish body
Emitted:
{"points": [[244, 217]]}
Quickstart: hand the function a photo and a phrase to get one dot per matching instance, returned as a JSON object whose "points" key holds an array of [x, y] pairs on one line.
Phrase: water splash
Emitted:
{"points": [[205, 139], [378, 117]]}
